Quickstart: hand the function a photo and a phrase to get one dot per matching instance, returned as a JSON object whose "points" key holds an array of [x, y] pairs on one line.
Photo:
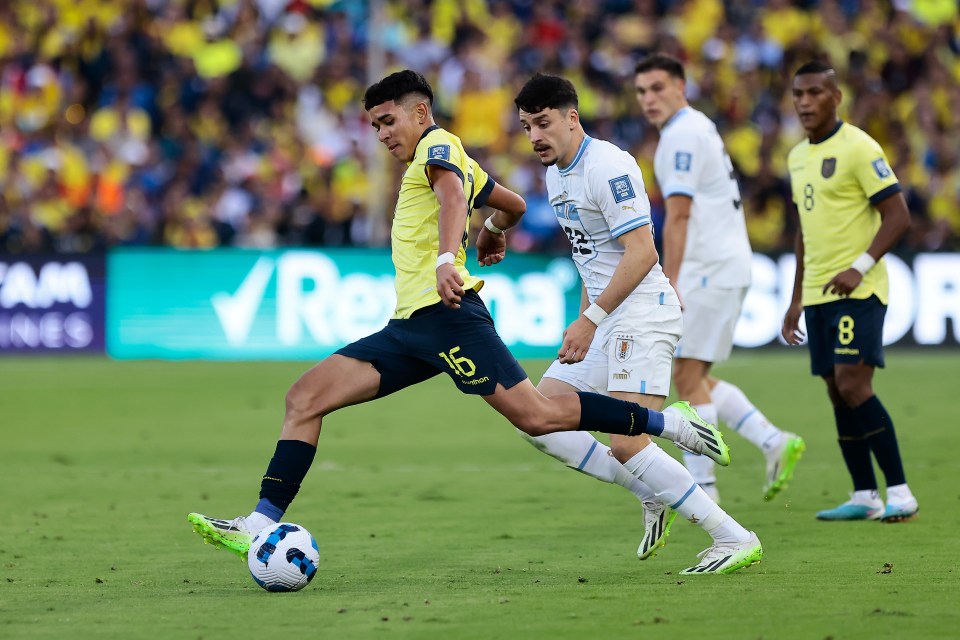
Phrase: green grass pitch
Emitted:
{"points": [[435, 520]]}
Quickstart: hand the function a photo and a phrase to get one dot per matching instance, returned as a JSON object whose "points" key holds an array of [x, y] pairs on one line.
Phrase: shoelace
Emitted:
{"points": [[238, 524]]}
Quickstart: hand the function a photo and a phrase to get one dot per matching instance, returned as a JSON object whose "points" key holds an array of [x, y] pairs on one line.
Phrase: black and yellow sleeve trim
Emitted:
{"points": [[449, 166], [484, 194], [885, 193]]}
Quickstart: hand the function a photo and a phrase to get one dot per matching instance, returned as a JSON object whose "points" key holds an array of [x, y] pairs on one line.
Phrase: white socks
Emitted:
{"points": [[581, 451], [652, 474], [256, 521], [671, 424], [724, 529], [736, 410], [702, 468], [664, 475], [868, 497], [899, 494], [674, 487]]}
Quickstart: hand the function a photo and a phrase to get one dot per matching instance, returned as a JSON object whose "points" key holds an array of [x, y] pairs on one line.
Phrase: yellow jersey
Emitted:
{"points": [[836, 182], [415, 236]]}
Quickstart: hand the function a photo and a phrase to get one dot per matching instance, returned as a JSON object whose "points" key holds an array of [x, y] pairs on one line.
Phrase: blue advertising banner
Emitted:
{"points": [[304, 304], [300, 304], [51, 304]]}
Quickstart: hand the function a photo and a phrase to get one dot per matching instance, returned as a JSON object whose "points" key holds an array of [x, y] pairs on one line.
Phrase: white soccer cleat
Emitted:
{"points": [[698, 436], [727, 558], [657, 520]]}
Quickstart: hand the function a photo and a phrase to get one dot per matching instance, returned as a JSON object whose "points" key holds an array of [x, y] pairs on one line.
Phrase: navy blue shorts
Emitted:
{"points": [[845, 332], [459, 342]]}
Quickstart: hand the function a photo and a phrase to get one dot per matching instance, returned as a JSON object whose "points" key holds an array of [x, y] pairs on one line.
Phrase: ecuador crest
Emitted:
{"points": [[829, 167]]}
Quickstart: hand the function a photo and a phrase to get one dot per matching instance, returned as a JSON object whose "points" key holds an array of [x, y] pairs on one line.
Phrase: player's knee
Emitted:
{"points": [[619, 451], [852, 390], [304, 402]]}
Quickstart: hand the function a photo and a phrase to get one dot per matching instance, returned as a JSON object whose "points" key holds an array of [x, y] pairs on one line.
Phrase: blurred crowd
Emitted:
{"points": [[203, 123]]}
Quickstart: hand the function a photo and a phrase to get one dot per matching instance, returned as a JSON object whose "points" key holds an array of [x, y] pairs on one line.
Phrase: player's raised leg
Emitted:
{"points": [[336, 382], [372, 367], [582, 452], [782, 449], [536, 415]]}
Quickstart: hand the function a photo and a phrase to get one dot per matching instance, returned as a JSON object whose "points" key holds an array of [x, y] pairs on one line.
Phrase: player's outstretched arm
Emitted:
{"points": [[895, 220], [510, 207], [452, 220]]}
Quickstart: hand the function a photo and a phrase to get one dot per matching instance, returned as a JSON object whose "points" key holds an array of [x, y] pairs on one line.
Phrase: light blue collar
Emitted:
{"points": [[576, 158], [680, 112]]}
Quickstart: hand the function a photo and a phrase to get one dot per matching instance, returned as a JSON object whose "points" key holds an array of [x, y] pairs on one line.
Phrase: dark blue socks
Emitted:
{"points": [[878, 432], [287, 469], [610, 415], [855, 449]]}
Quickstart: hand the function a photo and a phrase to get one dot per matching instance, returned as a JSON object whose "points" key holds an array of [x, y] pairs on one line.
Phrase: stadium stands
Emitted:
{"points": [[201, 123]]}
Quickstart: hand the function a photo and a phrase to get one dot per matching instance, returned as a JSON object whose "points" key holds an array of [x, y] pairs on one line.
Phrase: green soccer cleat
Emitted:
{"points": [[727, 558], [698, 436], [781, 463], [232, 535], [657, 520]]}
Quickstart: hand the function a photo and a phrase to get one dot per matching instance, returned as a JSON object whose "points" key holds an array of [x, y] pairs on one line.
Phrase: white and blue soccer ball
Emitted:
{"points": [[283, 557]]}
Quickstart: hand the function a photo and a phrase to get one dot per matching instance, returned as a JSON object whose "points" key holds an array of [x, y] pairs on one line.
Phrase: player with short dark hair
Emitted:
{"points": [[623, 342], [852, 212], [661, 62], [707, 257], [440, 324]]}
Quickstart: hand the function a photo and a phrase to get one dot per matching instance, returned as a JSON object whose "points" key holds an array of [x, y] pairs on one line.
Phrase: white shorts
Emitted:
{"points": [[632, 351], [709, 318]]}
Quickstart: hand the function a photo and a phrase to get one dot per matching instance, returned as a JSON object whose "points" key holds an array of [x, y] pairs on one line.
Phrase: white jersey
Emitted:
{"points": [[691, 160], [597, 199]]}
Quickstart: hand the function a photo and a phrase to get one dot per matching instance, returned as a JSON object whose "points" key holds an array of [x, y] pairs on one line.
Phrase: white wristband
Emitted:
{"points": [[492, 228], [595, 314], [863, 263], [444, 258]]}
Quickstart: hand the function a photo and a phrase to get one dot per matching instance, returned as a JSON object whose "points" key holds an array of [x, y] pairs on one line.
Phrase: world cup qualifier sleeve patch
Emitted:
{"points": [[683, 161], [880, 166], [439, 152], [622, 189]]}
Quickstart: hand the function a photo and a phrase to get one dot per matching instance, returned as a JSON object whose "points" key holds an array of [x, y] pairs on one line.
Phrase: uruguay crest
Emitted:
{"points": [[623, 348], [828, 167]]}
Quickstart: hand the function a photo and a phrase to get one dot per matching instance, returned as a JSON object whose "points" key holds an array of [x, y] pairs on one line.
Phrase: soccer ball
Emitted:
{"points": [[283, 557]]}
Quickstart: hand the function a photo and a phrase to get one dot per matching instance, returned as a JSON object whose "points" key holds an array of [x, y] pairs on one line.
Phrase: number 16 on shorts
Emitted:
{"points": [[462, 366]]}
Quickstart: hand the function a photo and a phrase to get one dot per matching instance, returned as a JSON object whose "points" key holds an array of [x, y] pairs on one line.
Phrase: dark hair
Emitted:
{"points": [[661, 62], [547, 92], [395, 87], [814, 66]]}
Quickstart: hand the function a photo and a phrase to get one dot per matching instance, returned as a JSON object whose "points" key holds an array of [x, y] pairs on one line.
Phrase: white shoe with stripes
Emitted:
{"points": [[698, 436], [657, 520], [727, 558]]}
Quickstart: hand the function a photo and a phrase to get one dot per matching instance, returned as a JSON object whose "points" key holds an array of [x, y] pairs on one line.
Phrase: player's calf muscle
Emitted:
{"points": [[535, 414], [538, 423]]}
